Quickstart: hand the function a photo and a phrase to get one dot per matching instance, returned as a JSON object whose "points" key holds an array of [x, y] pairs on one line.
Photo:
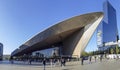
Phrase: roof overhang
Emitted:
{"points": [[57, 33]]}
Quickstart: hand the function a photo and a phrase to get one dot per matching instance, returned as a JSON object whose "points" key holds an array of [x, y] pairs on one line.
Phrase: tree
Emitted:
{"points": [[90, 53], [84, 53], [111, 51], [117, 49]]}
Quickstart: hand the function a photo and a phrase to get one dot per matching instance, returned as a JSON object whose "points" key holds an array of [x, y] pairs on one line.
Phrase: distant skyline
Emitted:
{"points": [[20, 20]]}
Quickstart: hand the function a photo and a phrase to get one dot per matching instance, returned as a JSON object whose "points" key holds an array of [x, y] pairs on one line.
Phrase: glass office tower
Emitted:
{"points": [[107, 31], [1, 51]]}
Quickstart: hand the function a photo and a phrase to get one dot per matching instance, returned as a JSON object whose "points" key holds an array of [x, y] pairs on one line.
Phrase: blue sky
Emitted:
{"points": [[22, 19]]}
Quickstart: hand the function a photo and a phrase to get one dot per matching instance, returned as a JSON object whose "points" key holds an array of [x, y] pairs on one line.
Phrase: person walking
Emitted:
{"points": [[90, 58], [30, 60], [55, 60], [62, 62], [95, 58], [82, 60], [11, 60], [51, 62], [101, 56], [44, 63], [117, 57]]}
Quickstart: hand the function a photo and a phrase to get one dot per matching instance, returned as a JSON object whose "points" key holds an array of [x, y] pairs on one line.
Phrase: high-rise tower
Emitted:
{"points": [[1, 51], [107, 31]]}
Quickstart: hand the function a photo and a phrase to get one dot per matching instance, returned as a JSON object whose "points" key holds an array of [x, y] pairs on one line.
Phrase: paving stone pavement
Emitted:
{"points": [[111, 64]]}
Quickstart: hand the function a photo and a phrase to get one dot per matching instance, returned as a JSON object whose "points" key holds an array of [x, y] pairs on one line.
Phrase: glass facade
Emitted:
{"points": [[49, 52], [107, 31], [109, 24], [1, 51], [99, 36], [53, 50]]}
